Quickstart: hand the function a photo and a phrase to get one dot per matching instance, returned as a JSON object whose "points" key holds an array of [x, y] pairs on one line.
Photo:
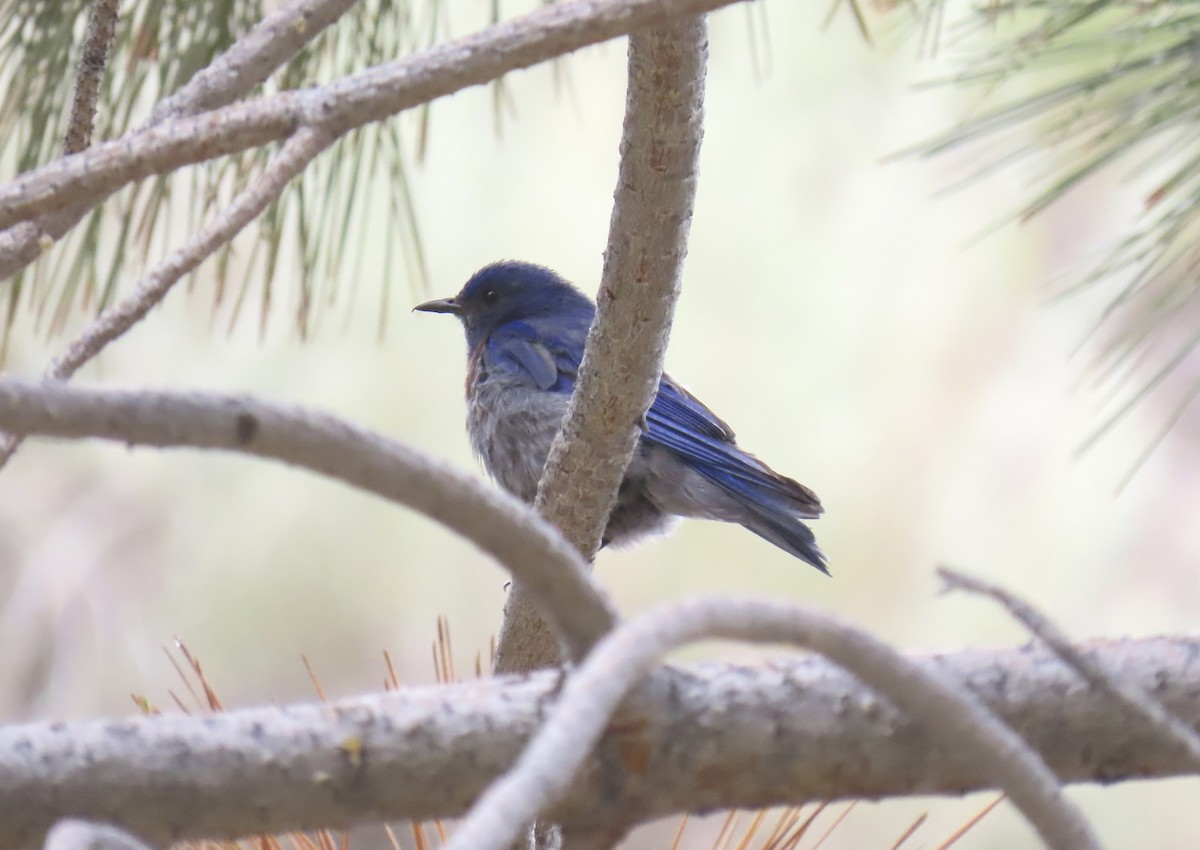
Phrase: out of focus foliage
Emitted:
{"points": [[309, 238], [1065, 89], [1075, 86]]}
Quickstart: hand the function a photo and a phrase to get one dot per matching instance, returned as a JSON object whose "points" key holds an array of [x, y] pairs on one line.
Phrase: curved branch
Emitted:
{"points": [[343, 105], [546, 768], [497, 523], [87, 835], [643, 265], [294, 157], [693, 738], [253, 58]]}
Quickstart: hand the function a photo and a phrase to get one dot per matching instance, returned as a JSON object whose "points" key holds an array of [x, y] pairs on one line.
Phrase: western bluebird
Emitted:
{"points": [[526, 329]]}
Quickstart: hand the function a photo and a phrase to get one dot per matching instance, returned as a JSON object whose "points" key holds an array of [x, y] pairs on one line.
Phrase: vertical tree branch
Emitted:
{"points": [[643, 264], [102, 27]]}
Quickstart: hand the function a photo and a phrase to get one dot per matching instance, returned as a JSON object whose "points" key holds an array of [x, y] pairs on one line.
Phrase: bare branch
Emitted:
{"points": [[102, 27], [24, 242], [295, 156], [546, 768], [275, 40], [693, 738], [255, 57], [501, 525], [1133, 700], [647, 242], [86, 835], [643, 266], [343, 105]]}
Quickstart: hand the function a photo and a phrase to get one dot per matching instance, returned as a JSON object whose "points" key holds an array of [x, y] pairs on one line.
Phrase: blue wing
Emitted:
{"points": [[678, 421], [548, 361], [774, 504]]}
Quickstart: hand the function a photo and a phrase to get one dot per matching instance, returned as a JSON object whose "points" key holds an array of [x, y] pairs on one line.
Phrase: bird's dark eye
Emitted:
{"points": [[491, 297]]}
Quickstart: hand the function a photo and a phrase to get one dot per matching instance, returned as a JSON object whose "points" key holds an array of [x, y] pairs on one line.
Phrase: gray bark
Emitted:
{"points": [[693, 738]]}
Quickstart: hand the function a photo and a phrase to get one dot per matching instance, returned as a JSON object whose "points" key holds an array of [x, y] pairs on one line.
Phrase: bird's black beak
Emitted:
{"points": [[442, 305]]}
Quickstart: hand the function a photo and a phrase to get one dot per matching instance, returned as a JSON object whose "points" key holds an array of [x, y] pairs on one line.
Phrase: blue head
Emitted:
{"points": [[512, 291]]}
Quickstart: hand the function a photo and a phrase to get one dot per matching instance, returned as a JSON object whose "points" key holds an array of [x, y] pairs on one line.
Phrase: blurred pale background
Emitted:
{"points": [[846, 322]]}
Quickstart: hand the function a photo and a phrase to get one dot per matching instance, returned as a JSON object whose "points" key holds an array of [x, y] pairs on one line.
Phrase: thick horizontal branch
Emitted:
{"points": [[341, 106], [502, 526], [949, 714], [693, 738]]}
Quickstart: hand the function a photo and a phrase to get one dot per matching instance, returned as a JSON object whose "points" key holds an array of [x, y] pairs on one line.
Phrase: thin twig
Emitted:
{"points": [[532, 549], [74, 834], [1132, 699], [102, 27], [643, 266], [253, 58], [343, 105], [952, 714], [295, 155]]}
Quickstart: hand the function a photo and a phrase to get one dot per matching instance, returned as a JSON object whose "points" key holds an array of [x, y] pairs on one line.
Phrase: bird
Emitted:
{"points": [[525, 329]]}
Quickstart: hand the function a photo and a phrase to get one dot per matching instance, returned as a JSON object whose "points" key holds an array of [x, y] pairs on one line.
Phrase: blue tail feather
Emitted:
{"points": [[774, 504], [790, 535]]}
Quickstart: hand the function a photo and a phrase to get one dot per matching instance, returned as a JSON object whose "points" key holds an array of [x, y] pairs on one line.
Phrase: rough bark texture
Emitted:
{"points": [[102, 26], [951, 716], [1134, 701], [694, 738], [643, 266]]}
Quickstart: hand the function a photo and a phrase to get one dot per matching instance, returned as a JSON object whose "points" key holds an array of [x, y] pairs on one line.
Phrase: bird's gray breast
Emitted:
{"points": [[512, 424]]}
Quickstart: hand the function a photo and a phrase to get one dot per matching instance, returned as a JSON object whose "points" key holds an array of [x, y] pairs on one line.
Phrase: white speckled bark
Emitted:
{"points": [[694, 738]]}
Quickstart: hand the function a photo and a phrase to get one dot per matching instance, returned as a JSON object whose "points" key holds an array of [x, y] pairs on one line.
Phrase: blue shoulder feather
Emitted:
{"points": [[549, 358], [549, 362]]}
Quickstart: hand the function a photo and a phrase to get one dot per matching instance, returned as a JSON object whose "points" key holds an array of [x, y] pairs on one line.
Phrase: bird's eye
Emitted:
{"points": [[491, 297]]}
